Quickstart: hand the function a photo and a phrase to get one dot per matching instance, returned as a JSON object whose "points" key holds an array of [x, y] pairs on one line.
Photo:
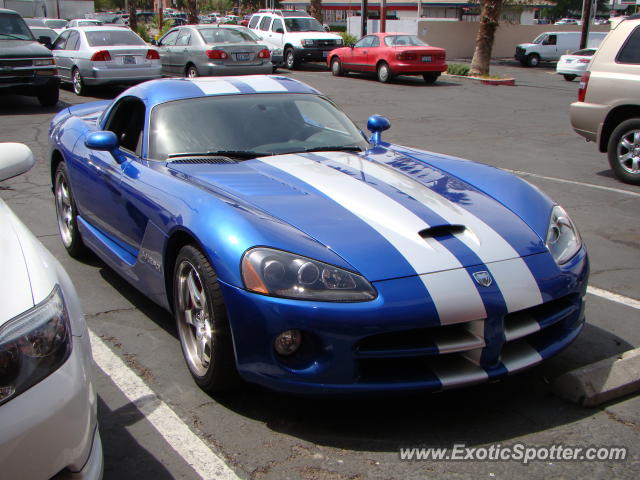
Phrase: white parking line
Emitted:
{"points": [[614, 297], [573, 182], [175, 432]]}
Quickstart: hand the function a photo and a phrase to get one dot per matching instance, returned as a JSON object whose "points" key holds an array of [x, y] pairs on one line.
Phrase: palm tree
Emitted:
{"points": [[489, 21], [315, 9], [192, 12], [133, 15]]}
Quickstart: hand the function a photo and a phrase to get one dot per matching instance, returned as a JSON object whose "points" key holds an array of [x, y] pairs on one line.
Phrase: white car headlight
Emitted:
{"points": [[283, 274], [33, 345], [307, 43], [563, 239]]}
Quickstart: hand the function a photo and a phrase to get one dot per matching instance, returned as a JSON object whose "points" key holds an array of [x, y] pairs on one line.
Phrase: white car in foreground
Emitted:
{"points": [[48, 420], [575, 64]]}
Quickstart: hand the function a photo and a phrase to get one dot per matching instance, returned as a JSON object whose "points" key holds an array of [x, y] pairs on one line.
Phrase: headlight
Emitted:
{"points": [[41, 62], [339, 41], [563, 239], [307, 43], [283, 274], [33, 345]]}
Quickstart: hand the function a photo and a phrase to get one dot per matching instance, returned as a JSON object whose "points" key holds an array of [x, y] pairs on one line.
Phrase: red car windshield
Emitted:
{"points": [[404, 40]]}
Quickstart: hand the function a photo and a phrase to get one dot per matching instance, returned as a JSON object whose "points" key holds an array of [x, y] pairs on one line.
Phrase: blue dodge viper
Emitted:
{"points": [[297, 253]]}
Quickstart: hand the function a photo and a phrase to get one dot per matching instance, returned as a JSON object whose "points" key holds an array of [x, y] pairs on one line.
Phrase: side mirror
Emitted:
{"points": [[105, 141], [377, 124], [15, 159], [46, 41], [280, 30]]}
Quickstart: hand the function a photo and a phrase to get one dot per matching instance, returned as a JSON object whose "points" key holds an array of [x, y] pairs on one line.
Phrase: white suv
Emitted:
{"points": [[299, 36], [608, 107]]}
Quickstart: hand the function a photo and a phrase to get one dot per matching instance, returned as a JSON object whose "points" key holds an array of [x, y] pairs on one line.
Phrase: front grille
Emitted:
{"points": [[325, 43], [14, 63]]}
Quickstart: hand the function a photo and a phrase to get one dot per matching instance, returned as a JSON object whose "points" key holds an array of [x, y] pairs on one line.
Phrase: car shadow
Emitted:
{"points": [[26, 105], [488, 413], [406, 80]]}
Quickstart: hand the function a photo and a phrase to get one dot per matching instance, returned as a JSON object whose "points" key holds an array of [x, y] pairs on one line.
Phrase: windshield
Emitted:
{"points": [[89, 23], [263, 124], [12, 27], [303, 25], [225, 35], [107, 38], [55, 23], [540, 38], [400, 40]]}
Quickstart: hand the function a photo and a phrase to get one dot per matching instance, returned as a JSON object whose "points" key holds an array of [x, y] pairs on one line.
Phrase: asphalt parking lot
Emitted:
{"points": [[155, 423]]}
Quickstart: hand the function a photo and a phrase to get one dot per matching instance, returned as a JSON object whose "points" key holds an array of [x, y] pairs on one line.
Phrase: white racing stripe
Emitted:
{"points": [[263, 84], [453, 292], [516, 282], [186, 443], [214, 86]]}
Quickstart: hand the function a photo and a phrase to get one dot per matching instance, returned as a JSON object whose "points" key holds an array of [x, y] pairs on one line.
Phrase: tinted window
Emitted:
{"points": [[254, 21], [630, 51], [107, 38], [264, 24]]}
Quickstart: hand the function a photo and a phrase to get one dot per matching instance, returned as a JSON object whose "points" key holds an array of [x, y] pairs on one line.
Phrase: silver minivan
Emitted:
{"points": [[550, 46]]}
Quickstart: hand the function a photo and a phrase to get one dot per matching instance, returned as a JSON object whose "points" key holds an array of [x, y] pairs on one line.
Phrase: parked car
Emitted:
{"points": [[26, 66], [300, 37], [204, 50], [44, 35], [47, 401], [575, 64], [567, 21], [89, 56], [84, 22], [389, 55], [608, 108], [57, 24], [549, 46], [307, 258]]}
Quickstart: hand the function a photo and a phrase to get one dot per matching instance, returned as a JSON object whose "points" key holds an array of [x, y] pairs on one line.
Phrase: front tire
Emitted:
{"points": [[201, 320], [191, 71], [533, 60], [48, 96], [67, 213], [569, 78], [79, 88], [384, 72], [336, 67], [623, 151], [290, 59]]}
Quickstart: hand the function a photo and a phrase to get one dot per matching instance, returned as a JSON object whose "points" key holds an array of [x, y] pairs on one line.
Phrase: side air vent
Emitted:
{"points": [[441, 231], [196, 160]]}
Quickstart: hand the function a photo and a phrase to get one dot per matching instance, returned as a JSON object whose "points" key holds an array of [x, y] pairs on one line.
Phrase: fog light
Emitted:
{"points": [[288, 342]]}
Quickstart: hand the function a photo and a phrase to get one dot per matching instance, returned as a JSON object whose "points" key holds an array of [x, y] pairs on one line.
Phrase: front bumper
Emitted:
{"points": [[28, 83], [391, 344], [52, 427], [313, 54]]}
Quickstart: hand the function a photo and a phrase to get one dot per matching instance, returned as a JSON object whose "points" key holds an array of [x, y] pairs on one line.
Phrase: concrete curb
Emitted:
{"points": [[601, 382], [487, 81]]}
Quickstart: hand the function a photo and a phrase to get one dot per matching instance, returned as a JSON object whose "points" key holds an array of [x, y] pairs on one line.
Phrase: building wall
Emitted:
{"points": [[49, 8]]}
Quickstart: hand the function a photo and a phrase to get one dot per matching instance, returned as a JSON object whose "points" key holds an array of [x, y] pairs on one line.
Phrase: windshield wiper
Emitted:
{"points": [[12, 36], [244, 154], [338, 148]]}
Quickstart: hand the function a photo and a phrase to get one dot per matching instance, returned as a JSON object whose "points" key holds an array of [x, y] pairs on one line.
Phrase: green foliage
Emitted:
{"points": [[348, 38], [338, 28], [461, 69], [143, 31]]}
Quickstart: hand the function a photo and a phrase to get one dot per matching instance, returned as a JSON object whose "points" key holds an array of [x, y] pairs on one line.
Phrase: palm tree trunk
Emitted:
{"points": [[133, 15], [489, 21], [315, 9], [192, 12]]}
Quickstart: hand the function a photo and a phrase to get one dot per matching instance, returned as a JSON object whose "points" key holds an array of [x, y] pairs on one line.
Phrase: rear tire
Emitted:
{"points": [[201, 319], [569, 78], [623, 151]]}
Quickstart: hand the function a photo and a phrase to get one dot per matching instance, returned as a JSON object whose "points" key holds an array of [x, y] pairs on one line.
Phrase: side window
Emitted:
{"points": [[74, 41], [277, 24], [126, 120], [170, 38], [254, 21], [364, 42], [630, 51], [551, 40], [375, 42], [184, 38], [264, 24], [61, 41]]}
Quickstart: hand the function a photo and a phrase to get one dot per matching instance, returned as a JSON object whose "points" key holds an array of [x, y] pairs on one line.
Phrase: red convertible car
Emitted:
{"points": [[388, 55]]}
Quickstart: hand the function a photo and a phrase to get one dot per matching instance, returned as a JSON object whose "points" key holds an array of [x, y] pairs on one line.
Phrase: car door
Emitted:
{"points": [[183, 51], [165, 49], [356, 57], [263, 31], [276, 34], [63, 61]]}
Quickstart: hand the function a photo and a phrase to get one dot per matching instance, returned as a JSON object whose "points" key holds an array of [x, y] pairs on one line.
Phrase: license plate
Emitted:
{"points": [[426, 58], [129, 60], [242, 57]]}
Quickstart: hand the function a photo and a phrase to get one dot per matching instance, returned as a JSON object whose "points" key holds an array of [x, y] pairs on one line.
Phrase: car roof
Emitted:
{"points": [[100, 28], [164, 90]]}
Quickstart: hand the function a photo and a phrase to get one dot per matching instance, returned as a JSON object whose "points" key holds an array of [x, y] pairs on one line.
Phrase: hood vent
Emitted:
{"points": [[442, 230], [200, 160]]}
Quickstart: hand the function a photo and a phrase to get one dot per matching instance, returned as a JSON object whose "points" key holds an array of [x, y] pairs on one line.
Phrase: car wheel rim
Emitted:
{"points": [[77, 82], [191, 73], [629, 152], [335, 66], [384, 73], [194, 324], [289, 59], [64, 210]]}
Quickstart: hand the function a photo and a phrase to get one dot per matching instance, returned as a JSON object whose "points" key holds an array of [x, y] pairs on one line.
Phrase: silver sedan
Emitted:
{"points": [[89, 56], [208, 50]]}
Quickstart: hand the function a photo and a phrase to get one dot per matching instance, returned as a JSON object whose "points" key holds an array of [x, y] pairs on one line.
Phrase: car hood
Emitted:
{"points": [[313, 35], [22, 48], [386, 214]]}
